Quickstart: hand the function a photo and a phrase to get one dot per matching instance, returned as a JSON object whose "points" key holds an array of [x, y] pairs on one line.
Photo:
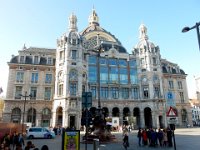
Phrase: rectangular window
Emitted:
{"points": [[92, 60], [135, 93], [20, 77], [61, 55], [156, 92], [73, 88], [49, 61], [93, 90], [34, 78], [47, 93], [125, 93], [60, 89], [146, 92], [92, 74], [21, 59], [123, 76], [74, 53], [113, 75], [114, 92], [36, 60], [103, 74], [18, 92], [113, 62], [181, 97], [133, 76], [48, 78], [122, 62], [142, 61], [33, 92], [171, 84], [104, 92], [154, 61], [180, 85]]}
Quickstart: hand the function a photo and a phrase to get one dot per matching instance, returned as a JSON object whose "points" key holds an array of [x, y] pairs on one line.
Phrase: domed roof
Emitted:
{"points": [[94, 32]]}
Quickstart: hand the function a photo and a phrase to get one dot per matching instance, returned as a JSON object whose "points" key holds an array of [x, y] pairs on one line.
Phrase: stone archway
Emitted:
{"points": [[126, 115], [115, 112], [46, 117], [31, 116], [16, 115], [136, 114], [184, 117], [148, 117], [59, 116]]}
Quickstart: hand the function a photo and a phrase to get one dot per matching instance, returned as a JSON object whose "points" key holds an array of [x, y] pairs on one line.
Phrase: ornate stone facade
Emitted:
{"points": [[138, 88]]}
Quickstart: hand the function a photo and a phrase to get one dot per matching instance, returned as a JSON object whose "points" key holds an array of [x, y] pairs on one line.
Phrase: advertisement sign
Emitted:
{"points": [[71, 140]]}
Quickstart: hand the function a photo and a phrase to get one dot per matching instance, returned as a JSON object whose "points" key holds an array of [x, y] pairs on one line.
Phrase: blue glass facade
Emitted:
{"points": [[114, 74]]}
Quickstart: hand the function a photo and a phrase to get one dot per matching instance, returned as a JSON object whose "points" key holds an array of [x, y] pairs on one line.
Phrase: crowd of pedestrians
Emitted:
{"points": [[16, 141], [153, 137], [150, 137]]}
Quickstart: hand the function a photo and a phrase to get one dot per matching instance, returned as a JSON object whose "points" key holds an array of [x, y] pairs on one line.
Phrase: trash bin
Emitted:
{"points": [[96, 144]]}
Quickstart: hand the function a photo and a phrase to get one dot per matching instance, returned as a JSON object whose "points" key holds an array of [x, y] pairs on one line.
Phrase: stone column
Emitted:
{"points": [[142, 123]]}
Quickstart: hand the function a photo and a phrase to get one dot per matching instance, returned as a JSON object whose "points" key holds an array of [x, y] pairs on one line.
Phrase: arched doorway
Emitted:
{"points": [[136, 114], [148, 117], [184, 117], [105, 112], [16, 115], [115, 112], [31, 116], [46, 116], [59, 116], [126, 115]]}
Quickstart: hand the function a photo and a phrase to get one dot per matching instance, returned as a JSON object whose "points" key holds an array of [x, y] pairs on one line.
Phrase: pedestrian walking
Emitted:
{"points": [[139, 135], [125, 141]]}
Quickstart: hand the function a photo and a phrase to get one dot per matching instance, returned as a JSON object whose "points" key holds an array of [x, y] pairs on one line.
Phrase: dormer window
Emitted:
{"points": [[73, 41], [49, 60], [36, 60], [21, 59]]}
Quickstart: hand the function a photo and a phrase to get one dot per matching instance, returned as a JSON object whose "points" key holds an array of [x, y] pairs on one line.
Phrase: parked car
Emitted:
{"points": [[39, 132]]}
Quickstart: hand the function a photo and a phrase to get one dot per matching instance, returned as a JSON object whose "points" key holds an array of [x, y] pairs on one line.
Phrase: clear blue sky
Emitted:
{"points": [[40, 22]]}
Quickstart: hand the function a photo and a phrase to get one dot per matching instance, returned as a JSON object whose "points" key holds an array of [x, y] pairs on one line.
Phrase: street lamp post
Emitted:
{"points": [[186, 29], [25, 96]]}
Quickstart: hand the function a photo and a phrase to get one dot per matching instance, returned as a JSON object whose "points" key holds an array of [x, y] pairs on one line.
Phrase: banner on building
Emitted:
{"points": [[71, 140]]}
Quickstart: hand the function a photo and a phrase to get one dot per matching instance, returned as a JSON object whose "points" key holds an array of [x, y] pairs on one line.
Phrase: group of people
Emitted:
{"points": [[154, 137], [151, 137], [16, 141]]}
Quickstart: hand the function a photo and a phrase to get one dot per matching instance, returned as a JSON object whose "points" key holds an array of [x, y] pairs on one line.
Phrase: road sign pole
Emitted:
{"points": [[174, 140]]}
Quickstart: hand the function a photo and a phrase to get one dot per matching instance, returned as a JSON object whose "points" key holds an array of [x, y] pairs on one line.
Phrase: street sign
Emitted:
{"points": [[172, 116], [171, 112], [172, 120]]}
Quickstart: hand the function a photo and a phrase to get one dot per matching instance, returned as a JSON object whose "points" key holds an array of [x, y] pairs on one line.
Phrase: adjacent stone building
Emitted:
{"points": [[137, 87]]}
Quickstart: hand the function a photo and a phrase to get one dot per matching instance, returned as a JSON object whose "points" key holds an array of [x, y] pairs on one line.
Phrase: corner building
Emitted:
{"points": [[138, 88]]}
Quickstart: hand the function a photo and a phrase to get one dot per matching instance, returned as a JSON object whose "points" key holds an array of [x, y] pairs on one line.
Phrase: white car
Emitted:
{"points": [[39, 132]]}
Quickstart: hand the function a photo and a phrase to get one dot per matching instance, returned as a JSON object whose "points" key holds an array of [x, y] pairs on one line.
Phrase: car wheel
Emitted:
{"points": [[49, 136]]}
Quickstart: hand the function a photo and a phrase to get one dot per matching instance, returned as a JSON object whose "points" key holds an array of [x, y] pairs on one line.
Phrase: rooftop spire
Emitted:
{"points": [[72, 22], [143, 32], [93, 18]]}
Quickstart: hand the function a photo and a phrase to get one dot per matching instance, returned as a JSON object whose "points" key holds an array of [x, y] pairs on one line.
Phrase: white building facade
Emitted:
{"points": [[138, 88]]}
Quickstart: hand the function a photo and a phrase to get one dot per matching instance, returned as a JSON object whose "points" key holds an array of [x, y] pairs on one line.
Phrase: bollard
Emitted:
{"points": [[96, 144]]}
